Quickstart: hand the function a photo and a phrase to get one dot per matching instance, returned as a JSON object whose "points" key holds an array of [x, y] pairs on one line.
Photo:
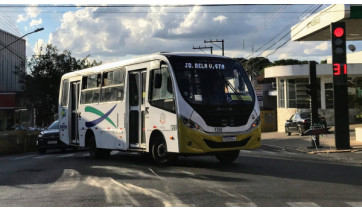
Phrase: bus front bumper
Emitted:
{"points": [[196, 142]]}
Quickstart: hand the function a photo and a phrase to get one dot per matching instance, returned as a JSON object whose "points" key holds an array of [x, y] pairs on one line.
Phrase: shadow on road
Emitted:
{"points": [[132, 166]]}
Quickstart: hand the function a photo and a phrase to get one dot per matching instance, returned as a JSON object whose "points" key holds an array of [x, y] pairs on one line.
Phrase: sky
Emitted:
{"points": [[108, 31]]}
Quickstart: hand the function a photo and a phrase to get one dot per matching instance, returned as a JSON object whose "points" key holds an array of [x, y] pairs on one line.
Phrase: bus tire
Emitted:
{"points": [[94, 152], [159, 151], [228, 156]]}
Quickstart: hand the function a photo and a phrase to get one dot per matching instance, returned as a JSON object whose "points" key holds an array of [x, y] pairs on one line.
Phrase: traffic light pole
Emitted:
{"points": [[340, 89], [313, 101]]}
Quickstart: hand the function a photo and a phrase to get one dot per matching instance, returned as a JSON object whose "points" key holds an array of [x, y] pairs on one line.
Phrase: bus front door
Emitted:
{"points": [[74, 102], [137, 94]]}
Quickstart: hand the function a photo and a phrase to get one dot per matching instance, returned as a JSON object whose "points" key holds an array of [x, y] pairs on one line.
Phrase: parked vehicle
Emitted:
{"points": [[300, 122], [49, 139]]}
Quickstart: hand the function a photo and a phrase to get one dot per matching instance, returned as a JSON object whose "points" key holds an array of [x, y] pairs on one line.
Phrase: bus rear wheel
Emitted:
{"points": [[228, 156], [94, 152]]}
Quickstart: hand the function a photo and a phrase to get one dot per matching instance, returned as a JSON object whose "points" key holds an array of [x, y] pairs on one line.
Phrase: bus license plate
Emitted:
{"points": [[229, 139], [52, 142]]}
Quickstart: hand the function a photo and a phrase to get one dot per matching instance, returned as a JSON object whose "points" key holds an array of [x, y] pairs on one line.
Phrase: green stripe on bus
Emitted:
{"points": [[99, 113]]}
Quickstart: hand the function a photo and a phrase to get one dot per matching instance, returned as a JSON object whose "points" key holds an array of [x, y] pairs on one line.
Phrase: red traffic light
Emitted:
{"points": [[338, 32]]}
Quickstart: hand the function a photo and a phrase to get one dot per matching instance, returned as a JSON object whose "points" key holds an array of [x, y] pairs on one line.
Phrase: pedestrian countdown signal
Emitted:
{"points": [[339, 69]]}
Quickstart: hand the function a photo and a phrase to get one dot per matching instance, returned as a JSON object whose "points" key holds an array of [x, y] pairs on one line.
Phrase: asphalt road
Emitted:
{"points": [[265, 177]]}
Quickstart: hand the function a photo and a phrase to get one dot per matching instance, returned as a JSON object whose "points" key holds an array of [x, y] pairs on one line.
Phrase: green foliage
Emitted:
{"points": [[255, 66], [46, 70]]}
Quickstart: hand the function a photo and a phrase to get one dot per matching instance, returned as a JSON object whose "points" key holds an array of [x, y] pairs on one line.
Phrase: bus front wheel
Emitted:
{"points": [[228, 156], [159, 152]]}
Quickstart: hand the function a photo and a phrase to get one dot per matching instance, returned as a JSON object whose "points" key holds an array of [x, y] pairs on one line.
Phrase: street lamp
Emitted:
{"points": [[37, 30]]}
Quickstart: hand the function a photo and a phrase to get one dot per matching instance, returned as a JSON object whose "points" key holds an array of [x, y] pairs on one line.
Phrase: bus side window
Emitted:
{"points": [[113, 86], [64, 100], [161, 91], [90, 89]]}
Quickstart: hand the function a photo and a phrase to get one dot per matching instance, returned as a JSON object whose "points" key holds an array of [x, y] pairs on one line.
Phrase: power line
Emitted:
{"points": [[286, 34], [289, 38]]}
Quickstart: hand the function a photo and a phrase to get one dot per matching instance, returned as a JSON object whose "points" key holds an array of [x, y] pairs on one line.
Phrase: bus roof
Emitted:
{"points": [[136, 60]]}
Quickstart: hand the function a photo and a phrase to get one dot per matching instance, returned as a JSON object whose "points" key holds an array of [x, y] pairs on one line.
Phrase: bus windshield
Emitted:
{"points": [[212, 81]]}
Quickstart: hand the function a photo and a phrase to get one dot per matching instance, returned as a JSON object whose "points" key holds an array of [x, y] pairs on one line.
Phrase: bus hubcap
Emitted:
{"points": [[161, 151]]}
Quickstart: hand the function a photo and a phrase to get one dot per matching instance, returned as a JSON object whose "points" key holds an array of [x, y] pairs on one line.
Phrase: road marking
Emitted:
{"points": [[64, 156], [354, 204], [240, 204], [27, 156], [158, 176], [114, 152], [42, 156], [302, 204]]}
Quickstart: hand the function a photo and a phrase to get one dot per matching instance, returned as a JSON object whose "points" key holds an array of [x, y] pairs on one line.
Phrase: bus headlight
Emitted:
{"points": [[255, 123], [190, 124]]}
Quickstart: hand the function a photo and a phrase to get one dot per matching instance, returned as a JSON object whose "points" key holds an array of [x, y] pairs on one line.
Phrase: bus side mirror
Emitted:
{"points": [[158, 80]]}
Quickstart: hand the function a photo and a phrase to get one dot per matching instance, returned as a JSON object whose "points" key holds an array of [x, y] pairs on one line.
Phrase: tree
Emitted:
{"points": [[255, 66], [43, 82]]}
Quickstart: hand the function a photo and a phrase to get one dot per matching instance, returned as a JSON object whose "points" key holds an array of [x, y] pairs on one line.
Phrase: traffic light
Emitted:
{"points": [[338, 42], [339, 60], [308, 89], [340, 91]]}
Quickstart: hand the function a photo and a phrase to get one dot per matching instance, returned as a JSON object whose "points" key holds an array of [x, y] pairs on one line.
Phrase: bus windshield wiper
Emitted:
{"points": [[234, 90]]}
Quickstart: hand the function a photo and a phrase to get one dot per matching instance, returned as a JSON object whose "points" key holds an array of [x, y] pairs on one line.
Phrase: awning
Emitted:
{"points": [[7, 100], [317, 26]]}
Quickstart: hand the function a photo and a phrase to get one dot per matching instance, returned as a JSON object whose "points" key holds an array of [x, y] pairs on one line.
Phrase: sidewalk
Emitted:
{"points": [[295, 142]]}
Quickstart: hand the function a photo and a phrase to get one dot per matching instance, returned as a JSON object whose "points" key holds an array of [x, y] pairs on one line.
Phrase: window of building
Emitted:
{"points": [[281, 95], [328, 92], [297, 96]]}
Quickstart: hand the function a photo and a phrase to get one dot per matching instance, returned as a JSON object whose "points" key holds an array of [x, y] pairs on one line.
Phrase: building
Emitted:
{"points": [[291, 83], [292, 80], [12, 71]]}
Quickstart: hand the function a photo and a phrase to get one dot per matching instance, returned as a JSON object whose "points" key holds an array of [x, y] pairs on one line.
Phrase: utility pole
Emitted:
{"points": [[203, 47], [217, 41]]}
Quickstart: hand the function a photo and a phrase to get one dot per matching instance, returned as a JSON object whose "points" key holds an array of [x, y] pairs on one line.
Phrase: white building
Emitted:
{"points": [[291, 90]]}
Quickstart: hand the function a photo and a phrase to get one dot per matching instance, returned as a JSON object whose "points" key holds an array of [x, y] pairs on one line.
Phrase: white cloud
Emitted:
{"points": [[313, 49], [33, 11], [38, 45], [35, 22], [110, 33], [220, 18], [21, 18]]}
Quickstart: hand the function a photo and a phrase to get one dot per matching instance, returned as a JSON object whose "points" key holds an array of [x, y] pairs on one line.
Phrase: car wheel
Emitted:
{"points": [[287, 131], [301, 133], [228, 156]]}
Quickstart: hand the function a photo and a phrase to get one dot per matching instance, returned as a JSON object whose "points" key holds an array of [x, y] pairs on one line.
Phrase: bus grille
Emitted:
{"points": [[215, 145]]}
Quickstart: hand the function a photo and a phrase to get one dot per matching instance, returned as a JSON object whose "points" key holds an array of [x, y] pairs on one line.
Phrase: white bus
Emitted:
{"points": [[165, 104]]}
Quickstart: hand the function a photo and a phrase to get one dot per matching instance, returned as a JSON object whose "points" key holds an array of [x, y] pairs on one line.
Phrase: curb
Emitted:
{"points": [[335, 151]]}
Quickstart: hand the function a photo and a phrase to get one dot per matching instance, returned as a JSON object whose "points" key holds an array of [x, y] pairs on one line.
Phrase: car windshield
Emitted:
{"points": [[305, 115], [211, 81], [54, 125]]}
